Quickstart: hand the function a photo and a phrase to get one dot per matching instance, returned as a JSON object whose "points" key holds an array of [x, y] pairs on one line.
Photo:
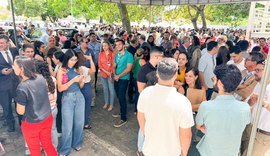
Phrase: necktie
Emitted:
{"points": [[9, 59]]}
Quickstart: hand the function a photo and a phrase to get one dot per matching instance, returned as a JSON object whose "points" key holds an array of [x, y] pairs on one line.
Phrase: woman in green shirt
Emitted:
{"points": [[141, 57]]}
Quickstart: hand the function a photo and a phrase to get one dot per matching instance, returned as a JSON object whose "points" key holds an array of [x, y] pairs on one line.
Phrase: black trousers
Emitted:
{"points": [[120, 87], [59, 113], [6, 102]]}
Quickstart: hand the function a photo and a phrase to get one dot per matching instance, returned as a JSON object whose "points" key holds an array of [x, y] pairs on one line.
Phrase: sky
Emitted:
{"points": [[4, 3]]}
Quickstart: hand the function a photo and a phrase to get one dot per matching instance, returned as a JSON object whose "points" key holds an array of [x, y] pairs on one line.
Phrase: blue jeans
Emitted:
{"points": [[72, 121], [108, 90], [54, 130], [120, 87], [140, 140], [87, 93]]}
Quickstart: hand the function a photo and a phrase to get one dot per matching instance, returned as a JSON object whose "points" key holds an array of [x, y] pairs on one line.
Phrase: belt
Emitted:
{"points": [[263, 132]]}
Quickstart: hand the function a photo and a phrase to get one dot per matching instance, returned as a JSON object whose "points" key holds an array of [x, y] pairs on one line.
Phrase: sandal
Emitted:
{"points": [[110, 108], [105, 106], [87, 127]]}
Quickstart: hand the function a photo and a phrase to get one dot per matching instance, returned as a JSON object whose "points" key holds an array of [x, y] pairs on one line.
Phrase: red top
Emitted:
{"points": [[265, 49], [105, 62]]}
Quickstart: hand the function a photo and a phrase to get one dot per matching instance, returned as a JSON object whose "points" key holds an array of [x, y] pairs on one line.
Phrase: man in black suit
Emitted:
{"points": [[8, 80], [185, 44]]}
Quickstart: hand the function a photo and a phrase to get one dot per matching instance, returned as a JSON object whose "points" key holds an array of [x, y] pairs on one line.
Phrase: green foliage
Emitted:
{"points": [[57, 9], [29, 8], [19, 6], [233, 14]]}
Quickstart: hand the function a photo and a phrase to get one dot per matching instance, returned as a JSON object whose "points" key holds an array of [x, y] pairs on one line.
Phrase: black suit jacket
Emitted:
{"points": [[10, 81], [182, 49]]}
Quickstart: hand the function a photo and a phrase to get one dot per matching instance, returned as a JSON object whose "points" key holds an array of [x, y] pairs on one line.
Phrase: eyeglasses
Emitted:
{"points": [[86, 42], [258, 70]]}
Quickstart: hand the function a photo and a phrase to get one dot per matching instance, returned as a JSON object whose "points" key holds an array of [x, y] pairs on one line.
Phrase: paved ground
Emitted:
{"points": [[102, 140]]}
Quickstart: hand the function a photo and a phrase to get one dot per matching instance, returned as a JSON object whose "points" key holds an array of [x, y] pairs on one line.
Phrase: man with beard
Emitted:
{"points": [[224, 119], [262, 141], [122, 66], [147, 74]]}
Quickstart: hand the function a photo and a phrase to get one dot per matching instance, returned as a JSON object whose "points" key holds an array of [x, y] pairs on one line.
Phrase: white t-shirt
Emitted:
{"points": [[85, 73], [264, 121], [165, 111], [240, 66]]}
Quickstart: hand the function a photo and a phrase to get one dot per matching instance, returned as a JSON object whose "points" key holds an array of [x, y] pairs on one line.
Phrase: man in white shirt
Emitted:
{"points": [[262, 141], [46, 35], [237, 58], [207, 64], [164, 115]]}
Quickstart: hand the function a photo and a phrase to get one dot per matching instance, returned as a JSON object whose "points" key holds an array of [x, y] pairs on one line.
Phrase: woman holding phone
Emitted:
{"points": [[70, 80]]}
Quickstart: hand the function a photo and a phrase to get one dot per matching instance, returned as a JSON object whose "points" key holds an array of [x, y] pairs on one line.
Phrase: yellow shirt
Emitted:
{"points": [[181, 77]]}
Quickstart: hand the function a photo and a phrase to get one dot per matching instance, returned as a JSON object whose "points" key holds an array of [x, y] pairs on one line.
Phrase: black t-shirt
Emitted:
{"points": [[132, 50], [33, 94], [147, 74]]}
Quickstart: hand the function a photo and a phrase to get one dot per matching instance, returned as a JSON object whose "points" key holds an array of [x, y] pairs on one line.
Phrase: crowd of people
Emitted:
{"points": [[186, 85]]}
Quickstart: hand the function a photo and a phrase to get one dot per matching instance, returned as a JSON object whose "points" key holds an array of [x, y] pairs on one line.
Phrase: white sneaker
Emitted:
{"points": [[93, 104], [59, 135]]}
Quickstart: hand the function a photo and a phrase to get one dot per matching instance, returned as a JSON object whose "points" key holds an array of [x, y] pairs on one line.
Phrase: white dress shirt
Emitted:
{"points": [[5, 55]]}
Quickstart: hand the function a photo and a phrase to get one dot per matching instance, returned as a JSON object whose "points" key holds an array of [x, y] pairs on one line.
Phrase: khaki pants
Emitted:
{"points": [[245, 138], [261, 145]]}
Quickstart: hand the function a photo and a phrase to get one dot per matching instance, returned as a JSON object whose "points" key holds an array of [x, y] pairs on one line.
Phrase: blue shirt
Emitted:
{"points": [[89, 52], [75, 86], [121, 62], [95, 47], [225, 119]]}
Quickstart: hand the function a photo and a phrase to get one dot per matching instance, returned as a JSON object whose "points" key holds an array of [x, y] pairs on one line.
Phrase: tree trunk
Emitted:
{"points": [[194, 18], [124, 17], [43, 17], [194, 23], [100, 19], [202, 16]]}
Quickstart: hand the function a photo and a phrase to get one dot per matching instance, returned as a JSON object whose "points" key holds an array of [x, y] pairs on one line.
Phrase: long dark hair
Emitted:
{"points": [[198, 84], [222, 55], [59, 55], [43, 69], [28, 66], [196, 41], [187, 64], [153, 42], [68, 55], [37, 45], [172, 52]]}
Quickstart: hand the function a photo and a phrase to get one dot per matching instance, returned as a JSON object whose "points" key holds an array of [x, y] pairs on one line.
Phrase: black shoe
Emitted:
{"points": [[11, 129], [2, 140], [5, 123], [2, 118]]}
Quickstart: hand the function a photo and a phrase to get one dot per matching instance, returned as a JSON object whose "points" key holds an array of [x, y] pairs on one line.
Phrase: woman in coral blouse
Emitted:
{"points": [[105, 63]]}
